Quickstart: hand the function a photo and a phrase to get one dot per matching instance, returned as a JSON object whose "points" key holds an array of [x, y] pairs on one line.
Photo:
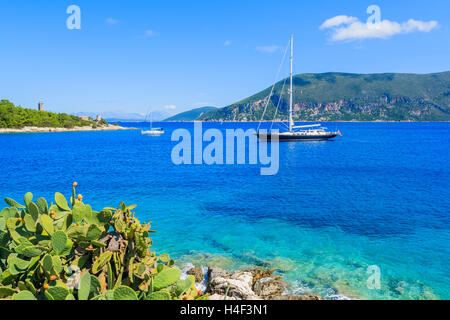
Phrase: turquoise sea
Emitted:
{"points": [[380, 195]]}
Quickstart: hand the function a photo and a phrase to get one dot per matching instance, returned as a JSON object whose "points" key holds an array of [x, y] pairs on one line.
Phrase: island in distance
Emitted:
{"points": [[348, 97], [191, 115]]}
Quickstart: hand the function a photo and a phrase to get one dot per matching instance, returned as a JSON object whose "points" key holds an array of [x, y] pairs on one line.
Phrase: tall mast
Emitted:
{"points": [[151, 118], [291, 121]]}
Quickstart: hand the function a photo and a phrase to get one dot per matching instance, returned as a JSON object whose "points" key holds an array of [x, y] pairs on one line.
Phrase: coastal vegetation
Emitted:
{"points": [[16, 117], [348, 97], [67, 251]]}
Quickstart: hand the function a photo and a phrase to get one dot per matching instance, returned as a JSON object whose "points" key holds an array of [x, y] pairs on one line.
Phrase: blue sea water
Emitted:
{"points": [[380, 195]]}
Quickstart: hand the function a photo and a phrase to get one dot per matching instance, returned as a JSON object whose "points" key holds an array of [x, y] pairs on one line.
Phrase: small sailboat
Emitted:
{"points": [[153, 131], [314, 132]]}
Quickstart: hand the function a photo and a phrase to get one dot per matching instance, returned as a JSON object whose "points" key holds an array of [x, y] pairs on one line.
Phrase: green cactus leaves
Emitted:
{"points": [[61, 202], [7, 213], [57, 264], [120, 226], [131, 207], [98, 244], [42, 205], [141, 269], [14, 203], [164, 258], [47, 263], [166, 278], [93, 232], [2, 224], [101, 218], [17, 265], [159, 295], [47, 224], [58, 293], [101, 262], [77, 232], [160, 267], [110, 276], [124, 293], [58, 253], [33, 251], [6, 292], [96, 286], [30, 223], [85, 233], [28, 198], [24, 295], [80, 212], [59, 241], [22, 242], [33, 210], [84, 288], [12, 223], [184, 285], [68, 249]]}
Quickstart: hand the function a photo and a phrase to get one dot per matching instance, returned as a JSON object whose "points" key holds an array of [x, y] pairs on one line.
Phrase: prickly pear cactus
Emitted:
{"points": [[68, 251]]}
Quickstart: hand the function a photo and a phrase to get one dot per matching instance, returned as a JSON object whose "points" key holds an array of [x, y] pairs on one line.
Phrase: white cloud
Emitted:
{"points": [[170, 107], [268, 49], [413, 25], [337, 21], [227, 43], [350, 28], [150, 33], [112, 21]]}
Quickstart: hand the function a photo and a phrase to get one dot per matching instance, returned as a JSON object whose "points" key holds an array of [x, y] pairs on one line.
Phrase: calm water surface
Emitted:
{"points": [[378, 196]]}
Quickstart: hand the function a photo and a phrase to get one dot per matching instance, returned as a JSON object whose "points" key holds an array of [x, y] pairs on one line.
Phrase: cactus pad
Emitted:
{"points": [[59, 241], [124, 293]]}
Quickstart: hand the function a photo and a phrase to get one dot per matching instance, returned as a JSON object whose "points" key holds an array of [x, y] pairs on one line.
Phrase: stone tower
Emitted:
{"points": [[41, 106]]}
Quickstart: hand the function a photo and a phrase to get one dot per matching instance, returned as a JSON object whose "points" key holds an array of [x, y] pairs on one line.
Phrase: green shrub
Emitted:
{"points": [[18, 117], [67, 251], [68, 125]]}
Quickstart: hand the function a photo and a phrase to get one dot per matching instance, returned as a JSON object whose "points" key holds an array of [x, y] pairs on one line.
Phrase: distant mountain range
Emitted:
{"points": [[348, 97], [191, 115], [113, 116]]}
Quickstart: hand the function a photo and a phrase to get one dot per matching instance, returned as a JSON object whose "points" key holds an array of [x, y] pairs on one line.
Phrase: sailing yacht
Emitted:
{"points": [[314, 132], [153, 131]]}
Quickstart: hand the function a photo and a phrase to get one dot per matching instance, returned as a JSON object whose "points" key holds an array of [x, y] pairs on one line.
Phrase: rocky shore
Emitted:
{"points": [[254, 284], [74, 129]]}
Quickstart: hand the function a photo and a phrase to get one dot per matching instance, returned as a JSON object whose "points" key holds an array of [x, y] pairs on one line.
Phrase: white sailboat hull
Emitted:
{"points": [[297, 136], [153, 133]]}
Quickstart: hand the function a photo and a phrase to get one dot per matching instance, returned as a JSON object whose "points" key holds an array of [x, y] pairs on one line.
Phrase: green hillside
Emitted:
{"points": [[347, 97], [191, 115], [13, 117]]}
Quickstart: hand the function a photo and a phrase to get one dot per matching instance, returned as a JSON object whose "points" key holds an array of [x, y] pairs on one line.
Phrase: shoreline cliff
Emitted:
{"points": [[251, 284]]}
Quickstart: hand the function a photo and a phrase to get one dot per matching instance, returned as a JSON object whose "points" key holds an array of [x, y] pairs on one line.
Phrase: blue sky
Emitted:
{"points": [[176, 55]]}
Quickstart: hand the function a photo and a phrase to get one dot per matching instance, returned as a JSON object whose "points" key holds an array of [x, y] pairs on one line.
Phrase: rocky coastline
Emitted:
{"points": [[74, 129], [253, 284]]}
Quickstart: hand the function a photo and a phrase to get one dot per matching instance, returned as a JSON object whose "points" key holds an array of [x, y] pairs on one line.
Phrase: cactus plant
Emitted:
{"points": [[68, 251], [124, 293], [166, 278], [59, 241]]}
